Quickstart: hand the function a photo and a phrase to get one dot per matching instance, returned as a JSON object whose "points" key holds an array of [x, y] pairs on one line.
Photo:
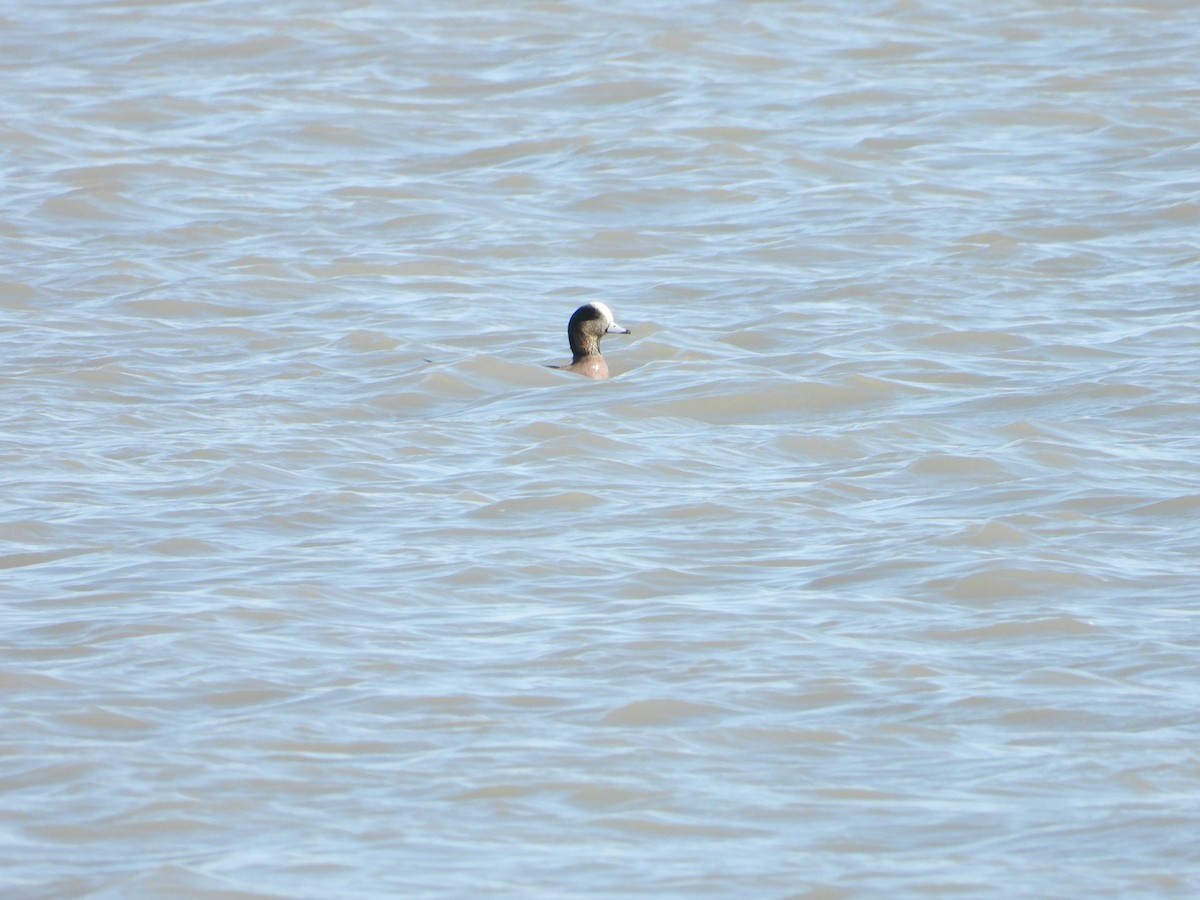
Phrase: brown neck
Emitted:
{"points": [[584, 345]]}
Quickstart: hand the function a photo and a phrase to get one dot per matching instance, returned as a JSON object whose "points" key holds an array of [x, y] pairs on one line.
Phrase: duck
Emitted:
{"points": [[588, 324]]}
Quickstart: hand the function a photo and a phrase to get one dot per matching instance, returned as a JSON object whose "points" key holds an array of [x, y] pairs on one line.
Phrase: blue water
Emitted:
{"points": [[871, 570]]}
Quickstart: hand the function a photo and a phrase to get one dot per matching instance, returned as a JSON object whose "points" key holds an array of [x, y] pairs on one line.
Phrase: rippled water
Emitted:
{"points": [[872, 570]]}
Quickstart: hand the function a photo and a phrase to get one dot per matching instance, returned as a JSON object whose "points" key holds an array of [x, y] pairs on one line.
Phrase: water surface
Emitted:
{"points": [[871, 572]]}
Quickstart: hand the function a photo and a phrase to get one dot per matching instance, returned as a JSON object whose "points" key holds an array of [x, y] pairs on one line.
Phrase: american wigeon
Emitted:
{"points": [[588, 324]]}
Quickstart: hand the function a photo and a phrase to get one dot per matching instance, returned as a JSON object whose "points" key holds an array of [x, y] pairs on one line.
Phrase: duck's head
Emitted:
{"points": [[588, 324]]}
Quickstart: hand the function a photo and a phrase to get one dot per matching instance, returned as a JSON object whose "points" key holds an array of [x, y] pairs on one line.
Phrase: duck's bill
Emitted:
{"points": [[614, 328]]}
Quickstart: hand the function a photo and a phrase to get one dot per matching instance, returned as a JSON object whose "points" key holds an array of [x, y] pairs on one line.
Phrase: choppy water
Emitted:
{"points": [[873, 570]]}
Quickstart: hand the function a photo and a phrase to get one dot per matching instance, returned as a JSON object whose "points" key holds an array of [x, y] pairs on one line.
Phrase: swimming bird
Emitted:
{"points": [[588, 324]]}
